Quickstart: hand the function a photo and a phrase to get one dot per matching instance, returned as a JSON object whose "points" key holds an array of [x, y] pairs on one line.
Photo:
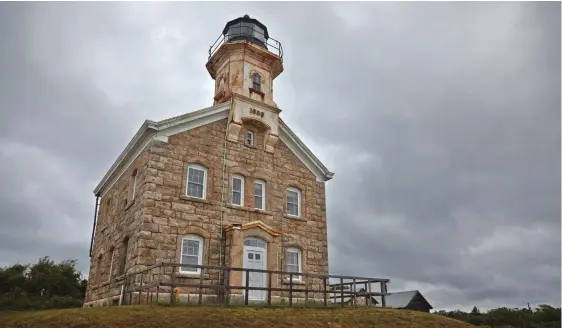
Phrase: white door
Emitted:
{"points": [[255, 252]]}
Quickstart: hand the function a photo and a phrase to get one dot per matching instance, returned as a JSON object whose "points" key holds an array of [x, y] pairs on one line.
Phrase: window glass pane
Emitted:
{"points": [[257, 256], [258, 187], [237, 184], [292, 268], [191, 260], [258, 202], [260, 243], [292, 197], [293, 209], [195, 190], [250, 256], [292, 258], [236, 198]]}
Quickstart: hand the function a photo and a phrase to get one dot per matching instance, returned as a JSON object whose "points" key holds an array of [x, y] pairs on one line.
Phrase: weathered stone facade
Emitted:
{"points": [[150, 229]]}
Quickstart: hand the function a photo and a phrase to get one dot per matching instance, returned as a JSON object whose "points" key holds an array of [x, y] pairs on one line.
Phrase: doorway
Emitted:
{"points": [[255, 257]]}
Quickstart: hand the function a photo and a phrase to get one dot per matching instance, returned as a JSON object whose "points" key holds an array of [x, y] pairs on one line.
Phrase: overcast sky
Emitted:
{"points": [[440, 120]]}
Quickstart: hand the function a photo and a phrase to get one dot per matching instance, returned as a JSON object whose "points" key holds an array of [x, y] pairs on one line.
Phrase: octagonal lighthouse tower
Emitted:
{"points": [[244, 61]]}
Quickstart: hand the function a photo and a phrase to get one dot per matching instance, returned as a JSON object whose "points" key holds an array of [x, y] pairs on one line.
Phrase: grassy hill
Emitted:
{"points": [[204, 317]]}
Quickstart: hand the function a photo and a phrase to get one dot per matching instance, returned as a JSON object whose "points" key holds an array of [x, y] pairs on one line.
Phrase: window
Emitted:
{"points": [[293, 202], [107, 211], [259, 194], [123, 256], [111, 254], [191, 253], [249, 138], [134, 177], [98, 269], [255, 242], [238, 190], [256, 82], [196, 181], [293, 262]]}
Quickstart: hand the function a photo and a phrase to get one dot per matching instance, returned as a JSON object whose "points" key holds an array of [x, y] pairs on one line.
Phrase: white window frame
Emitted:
{"points": [[298, 200], [201, 168], [299, 262], [262, 183], [241, 178], [250, 141], [200, 240]]}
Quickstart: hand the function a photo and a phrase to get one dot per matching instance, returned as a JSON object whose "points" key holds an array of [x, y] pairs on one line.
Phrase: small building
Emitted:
{"points": [[408, 300]]}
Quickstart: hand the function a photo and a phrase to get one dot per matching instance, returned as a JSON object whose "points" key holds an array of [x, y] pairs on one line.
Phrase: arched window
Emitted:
{"points": [[293, 261], [255, 242], [191, 253], [256, 82], [196, 181]]}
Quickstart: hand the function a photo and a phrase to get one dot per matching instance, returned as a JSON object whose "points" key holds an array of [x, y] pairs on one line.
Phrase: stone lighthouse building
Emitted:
{"points": [[227, 186]]}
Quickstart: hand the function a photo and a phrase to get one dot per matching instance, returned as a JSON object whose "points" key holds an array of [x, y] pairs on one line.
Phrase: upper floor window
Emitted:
{"points": [[107, 211], [134, 185], [191, 253], [293, 261], [196, 181], [249, 138], [293, 201], [256, 82], [259, 194], [238, 190]]}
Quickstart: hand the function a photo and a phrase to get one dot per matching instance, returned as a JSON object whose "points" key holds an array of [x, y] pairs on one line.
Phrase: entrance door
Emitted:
{"points": [[255, 252]]}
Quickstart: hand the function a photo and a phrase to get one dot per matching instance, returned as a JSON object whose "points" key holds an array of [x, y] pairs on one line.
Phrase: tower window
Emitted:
{"points": [[256, 82], [250, 138]]}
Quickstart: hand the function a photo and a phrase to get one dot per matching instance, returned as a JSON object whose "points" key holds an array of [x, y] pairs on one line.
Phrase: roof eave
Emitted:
{"points": [[145, 127], [327, 175]]}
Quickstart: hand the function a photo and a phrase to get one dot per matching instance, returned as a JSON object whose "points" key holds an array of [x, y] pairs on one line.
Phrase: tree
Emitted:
{"points": [[44, 284], [475, 311]]}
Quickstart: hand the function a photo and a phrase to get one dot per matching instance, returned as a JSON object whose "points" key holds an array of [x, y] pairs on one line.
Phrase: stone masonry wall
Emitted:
{"points": [[169, 214], [117, 220]]}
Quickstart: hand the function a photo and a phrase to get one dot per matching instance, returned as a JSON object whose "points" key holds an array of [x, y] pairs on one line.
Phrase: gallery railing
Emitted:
{"points": [[251, 34], [152, 285]]}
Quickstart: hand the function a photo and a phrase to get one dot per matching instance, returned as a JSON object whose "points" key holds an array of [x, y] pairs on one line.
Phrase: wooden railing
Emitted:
{"points": [[165, 278]]}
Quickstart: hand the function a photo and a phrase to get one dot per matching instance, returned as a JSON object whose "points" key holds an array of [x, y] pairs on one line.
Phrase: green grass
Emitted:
{"points": [[207, 317]]}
